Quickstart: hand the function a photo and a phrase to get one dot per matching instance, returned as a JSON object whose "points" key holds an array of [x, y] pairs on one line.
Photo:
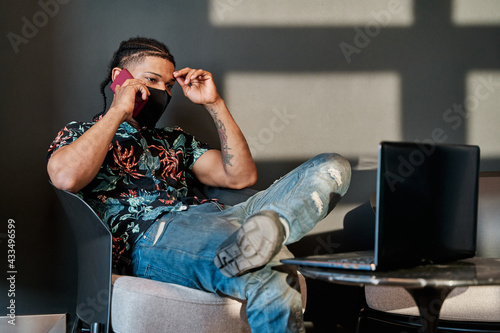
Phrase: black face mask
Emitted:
{"points": [[154, 108]]}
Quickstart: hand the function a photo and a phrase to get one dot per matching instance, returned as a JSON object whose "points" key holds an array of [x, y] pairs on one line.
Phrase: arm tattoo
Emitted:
{"points": [[221, 129]]}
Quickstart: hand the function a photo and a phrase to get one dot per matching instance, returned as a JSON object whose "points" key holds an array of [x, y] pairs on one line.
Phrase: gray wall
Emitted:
{"points": [[300, 78]]}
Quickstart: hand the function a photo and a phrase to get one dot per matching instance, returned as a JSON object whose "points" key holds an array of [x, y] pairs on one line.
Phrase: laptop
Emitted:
{"points": [[425, 211]]}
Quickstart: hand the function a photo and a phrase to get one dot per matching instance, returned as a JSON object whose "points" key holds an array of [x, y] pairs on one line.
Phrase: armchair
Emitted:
{"points": [[114, 303]]}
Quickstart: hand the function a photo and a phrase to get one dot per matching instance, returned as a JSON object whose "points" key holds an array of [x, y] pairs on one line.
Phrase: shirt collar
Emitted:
{"points": [[125, 125], [128, 128]]}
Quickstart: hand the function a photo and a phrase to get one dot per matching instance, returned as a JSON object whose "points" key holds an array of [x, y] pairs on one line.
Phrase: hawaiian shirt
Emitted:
{"points": [[144, 175]]}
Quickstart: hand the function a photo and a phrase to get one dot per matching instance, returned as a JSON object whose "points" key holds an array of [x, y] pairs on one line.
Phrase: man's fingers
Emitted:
{"points": [[190, 75], [186, 75], [144, 92], [139, 87], [130, 90], [181, 73]]}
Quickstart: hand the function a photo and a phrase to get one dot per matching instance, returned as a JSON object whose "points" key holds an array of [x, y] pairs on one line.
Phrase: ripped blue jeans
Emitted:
{"points": [[180, 246]]}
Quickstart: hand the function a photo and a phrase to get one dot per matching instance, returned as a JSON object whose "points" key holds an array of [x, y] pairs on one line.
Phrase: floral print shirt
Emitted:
{"points": [[144, 175]]}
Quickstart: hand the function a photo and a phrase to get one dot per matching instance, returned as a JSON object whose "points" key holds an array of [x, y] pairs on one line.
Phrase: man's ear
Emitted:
{"points": [[114, 73]]}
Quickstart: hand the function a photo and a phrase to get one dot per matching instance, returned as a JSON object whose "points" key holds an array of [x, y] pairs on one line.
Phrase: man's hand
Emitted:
{"points": [[198, 85], [126, 96]]}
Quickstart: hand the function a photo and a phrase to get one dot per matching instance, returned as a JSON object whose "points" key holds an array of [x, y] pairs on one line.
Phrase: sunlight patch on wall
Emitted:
{"points": [[484, 12], [482, 111], [299, 13], [299, 115]]}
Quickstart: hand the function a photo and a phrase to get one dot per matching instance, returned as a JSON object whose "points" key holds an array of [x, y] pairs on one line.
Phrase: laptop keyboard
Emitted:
{"points": [[351, 260], [361, 260]]}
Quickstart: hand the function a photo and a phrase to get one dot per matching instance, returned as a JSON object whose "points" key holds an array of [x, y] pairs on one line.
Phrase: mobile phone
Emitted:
{"points": [[120, 79]]}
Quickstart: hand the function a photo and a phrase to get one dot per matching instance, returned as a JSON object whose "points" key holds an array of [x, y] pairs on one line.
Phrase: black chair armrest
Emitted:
{"points": [[228, 196]]}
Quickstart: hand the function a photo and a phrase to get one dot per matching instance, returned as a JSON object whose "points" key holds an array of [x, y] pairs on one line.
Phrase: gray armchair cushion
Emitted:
{"points": [[142, 305]]}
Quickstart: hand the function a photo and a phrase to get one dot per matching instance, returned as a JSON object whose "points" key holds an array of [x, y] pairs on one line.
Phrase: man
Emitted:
{"points": [[135, 177]]}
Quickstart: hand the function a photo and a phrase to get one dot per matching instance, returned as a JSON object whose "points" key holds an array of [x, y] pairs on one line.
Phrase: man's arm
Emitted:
{"points": [[233, 166], [74, 166]]}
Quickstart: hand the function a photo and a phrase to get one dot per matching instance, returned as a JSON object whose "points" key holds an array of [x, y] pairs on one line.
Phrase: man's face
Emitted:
{"points": [[155, 72]]}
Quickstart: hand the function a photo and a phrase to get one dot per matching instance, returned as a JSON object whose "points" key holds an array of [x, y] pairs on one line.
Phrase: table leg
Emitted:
{"points": [[429, 301]]}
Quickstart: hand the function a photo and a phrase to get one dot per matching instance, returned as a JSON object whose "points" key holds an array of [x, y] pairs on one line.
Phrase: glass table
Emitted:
{"points": [[429, 285]]}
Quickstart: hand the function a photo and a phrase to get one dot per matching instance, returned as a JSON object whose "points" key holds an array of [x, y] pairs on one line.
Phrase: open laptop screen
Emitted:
{"points": [[426, 203]]}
